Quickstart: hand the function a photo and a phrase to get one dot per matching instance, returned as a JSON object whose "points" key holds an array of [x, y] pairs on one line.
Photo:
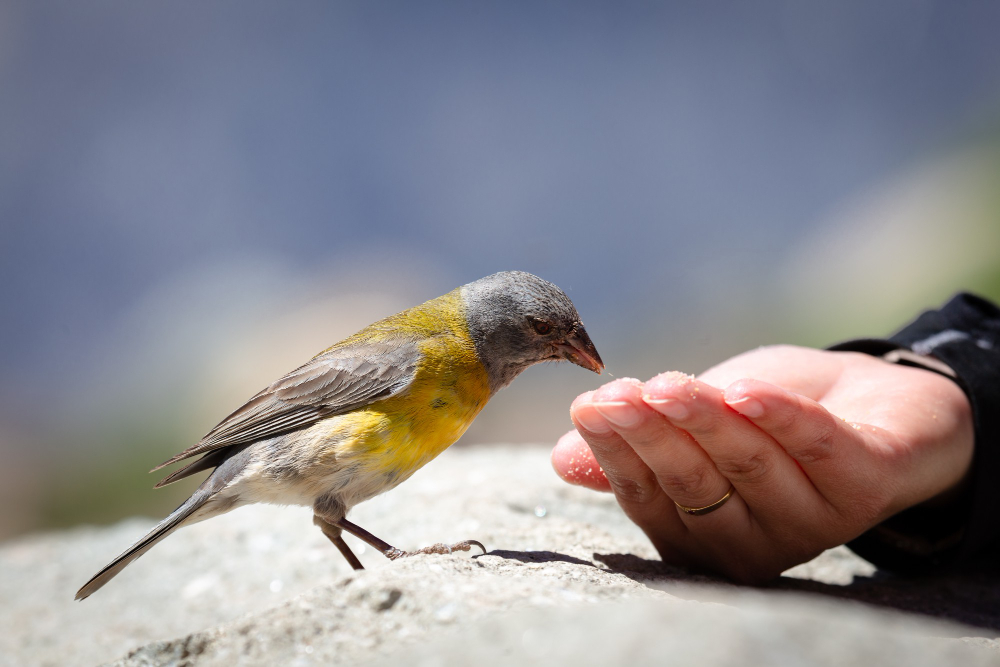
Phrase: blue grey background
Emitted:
{"points": [[230, 160]]}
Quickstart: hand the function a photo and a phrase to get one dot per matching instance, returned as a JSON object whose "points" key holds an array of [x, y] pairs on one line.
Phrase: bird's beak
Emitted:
{"points": [[578, 348]]}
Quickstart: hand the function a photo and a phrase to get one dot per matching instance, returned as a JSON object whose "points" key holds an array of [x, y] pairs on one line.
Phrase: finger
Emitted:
{"points": [[775, 489], [575, 463], [780, 365], [633, 483], [829, 450], [682, 469], [631, 480]]}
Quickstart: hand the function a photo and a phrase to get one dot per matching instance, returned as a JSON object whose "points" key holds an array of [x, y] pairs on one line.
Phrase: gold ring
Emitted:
{"points": [[698, 511]]}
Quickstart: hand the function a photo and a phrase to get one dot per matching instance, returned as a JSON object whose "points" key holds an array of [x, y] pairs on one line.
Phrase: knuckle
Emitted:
{"points": [[784, 421], [604, 445], [693, 483], [749, 467], [817, 445], [647, 440], [632, 492], [702, 423], [612, 453]]}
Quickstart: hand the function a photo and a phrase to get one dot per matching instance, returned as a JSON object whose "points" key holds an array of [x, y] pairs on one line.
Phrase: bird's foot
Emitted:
{"points": [[394, 553]]}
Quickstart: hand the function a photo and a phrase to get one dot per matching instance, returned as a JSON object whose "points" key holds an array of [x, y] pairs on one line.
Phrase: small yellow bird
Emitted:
{"points": [[365, 414]]}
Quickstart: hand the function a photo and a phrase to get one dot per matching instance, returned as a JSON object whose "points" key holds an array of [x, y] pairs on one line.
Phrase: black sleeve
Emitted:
{"points": [[965, 335]]}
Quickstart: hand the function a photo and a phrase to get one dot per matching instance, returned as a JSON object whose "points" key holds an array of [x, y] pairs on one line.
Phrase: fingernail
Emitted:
{"points": [[749, 407], [619, 413], [669, 407], [591, 420]]}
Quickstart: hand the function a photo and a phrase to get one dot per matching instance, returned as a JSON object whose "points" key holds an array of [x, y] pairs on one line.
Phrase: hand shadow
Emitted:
{"points": [[972, 599], [969, 598]]}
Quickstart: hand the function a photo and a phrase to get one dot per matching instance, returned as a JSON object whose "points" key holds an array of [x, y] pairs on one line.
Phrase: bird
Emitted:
{"points": [[366, 413]]}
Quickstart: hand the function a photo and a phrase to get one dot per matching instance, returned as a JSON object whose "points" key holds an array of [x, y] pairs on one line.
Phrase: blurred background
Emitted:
{"points": [[197, 197]]}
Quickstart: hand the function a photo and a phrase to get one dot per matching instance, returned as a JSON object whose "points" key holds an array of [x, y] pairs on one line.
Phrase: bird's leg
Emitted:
{"points": [[392, 553], [333, 533]]}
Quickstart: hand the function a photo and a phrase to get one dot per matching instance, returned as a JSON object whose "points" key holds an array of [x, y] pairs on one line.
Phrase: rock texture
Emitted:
{"points": [[567, 580]]}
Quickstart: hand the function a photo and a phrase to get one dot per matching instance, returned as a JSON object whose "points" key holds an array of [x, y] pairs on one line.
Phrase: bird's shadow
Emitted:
{"points": [[537, 557], [969, 598]]}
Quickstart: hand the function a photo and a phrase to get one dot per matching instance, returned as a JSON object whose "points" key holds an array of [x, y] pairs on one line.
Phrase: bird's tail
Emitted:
{"points": [[172, 522]]}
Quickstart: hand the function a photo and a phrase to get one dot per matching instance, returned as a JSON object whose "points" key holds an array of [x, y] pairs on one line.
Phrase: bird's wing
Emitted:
{"points": [[343, 378]]}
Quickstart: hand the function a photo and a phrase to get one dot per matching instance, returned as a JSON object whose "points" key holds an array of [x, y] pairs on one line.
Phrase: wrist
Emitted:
{"points": [[930, 528]]}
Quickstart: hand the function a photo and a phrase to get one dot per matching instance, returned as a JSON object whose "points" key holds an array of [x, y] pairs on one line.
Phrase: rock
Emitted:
{"points": [[567, 579]]}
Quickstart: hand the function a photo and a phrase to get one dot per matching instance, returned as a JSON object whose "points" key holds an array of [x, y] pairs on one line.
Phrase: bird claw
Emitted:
{"points": [[436, 549]]}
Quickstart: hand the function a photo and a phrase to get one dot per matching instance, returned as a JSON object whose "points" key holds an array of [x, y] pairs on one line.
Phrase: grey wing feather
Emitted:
{"points": [[210, 460], [334, 382]]}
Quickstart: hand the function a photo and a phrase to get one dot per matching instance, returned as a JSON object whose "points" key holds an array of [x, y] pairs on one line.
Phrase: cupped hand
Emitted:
{"points": [[816, 446]]}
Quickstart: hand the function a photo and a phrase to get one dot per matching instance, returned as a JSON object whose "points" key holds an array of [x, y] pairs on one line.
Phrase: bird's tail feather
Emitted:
{"points": [[159, 531]]}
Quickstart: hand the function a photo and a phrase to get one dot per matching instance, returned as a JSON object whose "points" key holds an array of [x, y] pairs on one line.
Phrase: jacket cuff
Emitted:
{"points": [[964, 337]]}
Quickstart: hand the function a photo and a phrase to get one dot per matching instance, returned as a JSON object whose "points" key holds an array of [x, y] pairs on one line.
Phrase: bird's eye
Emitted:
{"points": [[540, 326]]}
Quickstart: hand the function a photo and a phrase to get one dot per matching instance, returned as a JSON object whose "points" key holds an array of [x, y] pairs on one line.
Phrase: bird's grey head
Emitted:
{"points": [[517, 319]]}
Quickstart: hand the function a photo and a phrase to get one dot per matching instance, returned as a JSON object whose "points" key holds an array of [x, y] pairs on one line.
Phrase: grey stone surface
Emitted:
{"points": [[567, 581]]}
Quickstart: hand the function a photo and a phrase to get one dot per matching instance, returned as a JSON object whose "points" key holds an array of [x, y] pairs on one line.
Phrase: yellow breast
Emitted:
{"points": [[396, 436]]}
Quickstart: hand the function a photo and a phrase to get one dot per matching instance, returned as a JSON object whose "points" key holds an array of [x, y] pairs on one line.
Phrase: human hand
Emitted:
{"points": [[818, 446]]}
